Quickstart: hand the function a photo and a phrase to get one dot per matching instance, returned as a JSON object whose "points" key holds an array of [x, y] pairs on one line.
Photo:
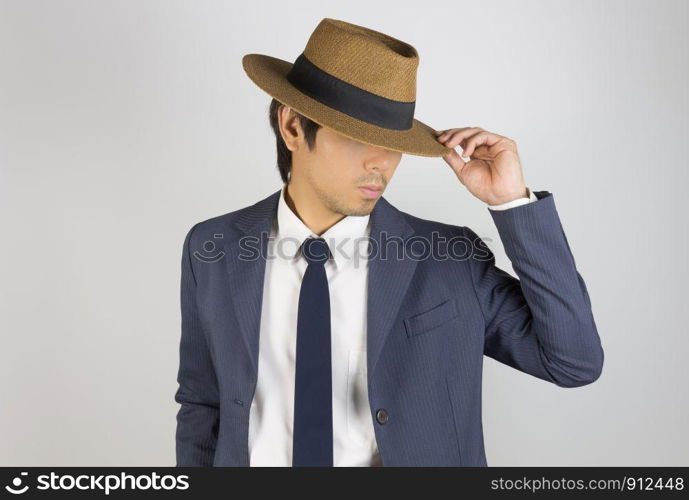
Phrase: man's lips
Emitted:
{"points": [[371, 190]]}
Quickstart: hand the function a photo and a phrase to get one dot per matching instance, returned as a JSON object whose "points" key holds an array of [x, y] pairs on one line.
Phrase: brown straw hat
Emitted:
{"points": [[357, 81]]}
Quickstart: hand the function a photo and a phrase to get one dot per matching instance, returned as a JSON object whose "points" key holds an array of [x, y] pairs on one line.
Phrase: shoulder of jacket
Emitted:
{"points": [[426, 226]]}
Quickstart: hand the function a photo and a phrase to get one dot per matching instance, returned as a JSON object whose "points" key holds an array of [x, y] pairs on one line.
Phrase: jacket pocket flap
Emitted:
{"points": [[432, 318]]}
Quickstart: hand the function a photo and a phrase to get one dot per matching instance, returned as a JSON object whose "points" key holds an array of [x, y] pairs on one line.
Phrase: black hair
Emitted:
{"points": [[284, 155]]}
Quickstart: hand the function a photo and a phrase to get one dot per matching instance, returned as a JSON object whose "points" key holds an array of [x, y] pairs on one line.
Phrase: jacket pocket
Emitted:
{"points": [[431, 319]]}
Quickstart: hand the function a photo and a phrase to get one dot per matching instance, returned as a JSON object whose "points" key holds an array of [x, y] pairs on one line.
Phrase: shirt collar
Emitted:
{"points": [[345, 238]]}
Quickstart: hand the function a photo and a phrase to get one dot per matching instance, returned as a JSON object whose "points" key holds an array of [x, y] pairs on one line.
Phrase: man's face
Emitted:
{"points": [[338, 168]]}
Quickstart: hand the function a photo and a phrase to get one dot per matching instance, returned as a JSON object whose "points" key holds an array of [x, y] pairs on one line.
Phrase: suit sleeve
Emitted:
{"points": [[542, 323], [197, 417]]}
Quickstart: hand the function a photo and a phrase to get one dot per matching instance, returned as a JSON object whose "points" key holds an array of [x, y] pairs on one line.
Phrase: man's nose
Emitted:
{"points": [[381, 159]]}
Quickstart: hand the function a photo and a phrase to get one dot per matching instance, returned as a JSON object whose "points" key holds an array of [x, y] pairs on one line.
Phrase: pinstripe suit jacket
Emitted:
{"points": [[430, 322]]}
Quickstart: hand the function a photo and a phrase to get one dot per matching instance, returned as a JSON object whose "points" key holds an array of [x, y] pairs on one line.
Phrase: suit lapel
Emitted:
{"points": [[246, 275], [390, 270]]}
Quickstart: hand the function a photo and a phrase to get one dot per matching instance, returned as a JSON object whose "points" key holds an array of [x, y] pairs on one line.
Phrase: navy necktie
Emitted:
{"points": [[312, 444]]}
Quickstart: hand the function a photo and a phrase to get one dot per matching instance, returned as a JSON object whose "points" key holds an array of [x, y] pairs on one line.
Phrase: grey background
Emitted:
{"points": [[124, 123]]}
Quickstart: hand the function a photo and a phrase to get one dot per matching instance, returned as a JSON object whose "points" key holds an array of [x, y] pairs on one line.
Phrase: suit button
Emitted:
{"points": [[382, 416]]}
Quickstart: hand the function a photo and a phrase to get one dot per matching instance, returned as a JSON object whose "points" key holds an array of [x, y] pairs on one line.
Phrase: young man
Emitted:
{"points": [[331, 328]]}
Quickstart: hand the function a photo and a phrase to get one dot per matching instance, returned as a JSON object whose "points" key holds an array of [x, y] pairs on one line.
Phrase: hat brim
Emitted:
{"points": [[270, 74]]}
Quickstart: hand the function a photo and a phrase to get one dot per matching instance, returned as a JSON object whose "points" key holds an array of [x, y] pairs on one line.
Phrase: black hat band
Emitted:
{"points": [[350, 99]]}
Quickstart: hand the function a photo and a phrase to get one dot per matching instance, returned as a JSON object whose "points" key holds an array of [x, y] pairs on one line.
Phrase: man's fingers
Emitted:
{"points": [[470, 138], [459, 136], [479, 139], [453, 132]]}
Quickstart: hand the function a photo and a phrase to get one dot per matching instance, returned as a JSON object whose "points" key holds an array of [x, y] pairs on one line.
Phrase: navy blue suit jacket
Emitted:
{"points": [[430, 322]]}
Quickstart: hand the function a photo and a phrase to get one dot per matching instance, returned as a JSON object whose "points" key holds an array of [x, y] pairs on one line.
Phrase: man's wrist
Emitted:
{"points": [[530, 196]]}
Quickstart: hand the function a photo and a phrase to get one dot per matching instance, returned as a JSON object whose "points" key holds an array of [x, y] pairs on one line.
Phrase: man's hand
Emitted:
{"points": [[493, 173]]}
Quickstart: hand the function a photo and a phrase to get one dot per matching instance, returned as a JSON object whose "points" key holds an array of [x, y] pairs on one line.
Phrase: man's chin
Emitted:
{"points": [[363, 209]]}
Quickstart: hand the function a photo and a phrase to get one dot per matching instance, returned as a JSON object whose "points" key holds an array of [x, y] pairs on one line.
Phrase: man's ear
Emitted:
{"points": [[289, 126]]}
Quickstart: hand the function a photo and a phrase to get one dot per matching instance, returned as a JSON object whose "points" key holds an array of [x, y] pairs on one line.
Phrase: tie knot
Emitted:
{"points": [[315, 250]]}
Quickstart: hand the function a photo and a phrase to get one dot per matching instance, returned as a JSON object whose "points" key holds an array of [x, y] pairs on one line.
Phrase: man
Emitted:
{"points": [[300, 349]]}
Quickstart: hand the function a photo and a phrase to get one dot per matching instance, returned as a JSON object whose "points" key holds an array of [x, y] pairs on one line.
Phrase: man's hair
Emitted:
{"points": [[284, 159]]}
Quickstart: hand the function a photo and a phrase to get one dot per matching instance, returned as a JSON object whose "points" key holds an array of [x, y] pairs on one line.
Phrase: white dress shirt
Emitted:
{"points": [[272, 408], [515, 203]]}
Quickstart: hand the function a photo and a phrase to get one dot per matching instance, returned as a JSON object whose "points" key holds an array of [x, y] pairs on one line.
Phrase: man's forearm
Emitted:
{"points": [[542, 323]]}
